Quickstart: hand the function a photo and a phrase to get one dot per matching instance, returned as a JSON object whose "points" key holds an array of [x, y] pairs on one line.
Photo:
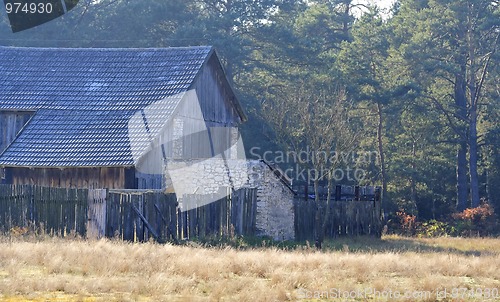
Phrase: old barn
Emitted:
{"points": [[105, 120], [109, 118]]}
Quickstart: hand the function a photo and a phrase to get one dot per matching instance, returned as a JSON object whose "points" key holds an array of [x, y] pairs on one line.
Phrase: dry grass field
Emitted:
{"points": [[346, 270]]}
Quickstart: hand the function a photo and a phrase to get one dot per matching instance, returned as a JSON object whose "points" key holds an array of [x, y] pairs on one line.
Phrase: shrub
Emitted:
{"points": [[480, 221], [403, 224], [435, 228]]}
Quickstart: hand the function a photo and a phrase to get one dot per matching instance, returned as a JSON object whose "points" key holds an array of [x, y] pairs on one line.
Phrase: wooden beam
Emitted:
{"points": [[146, 223]]}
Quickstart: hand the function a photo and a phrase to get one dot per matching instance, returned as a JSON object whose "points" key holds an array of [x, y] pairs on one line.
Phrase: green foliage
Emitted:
{"points": [[435, 228]]}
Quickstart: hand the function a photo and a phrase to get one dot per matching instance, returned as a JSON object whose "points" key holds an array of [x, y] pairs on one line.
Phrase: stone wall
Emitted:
{"points": [[275, 216]]}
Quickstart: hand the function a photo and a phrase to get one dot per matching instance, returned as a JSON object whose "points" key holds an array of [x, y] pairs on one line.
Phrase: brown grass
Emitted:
{"points": [[69, 270]]}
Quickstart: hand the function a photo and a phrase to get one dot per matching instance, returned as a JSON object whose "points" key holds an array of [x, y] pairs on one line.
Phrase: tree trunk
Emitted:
{"points": [[488, 186], [381, 154], [317, 218], [345, 22], [474, 92], [462, 190], [328, 200], [473, 159], [460, 90], [413, 182]]}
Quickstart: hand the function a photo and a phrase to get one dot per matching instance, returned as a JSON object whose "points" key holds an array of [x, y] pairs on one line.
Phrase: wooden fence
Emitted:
{"points": [[138, 215], [234, 214], [351, 211], [134, 215], [339, 192], [50, 210]]}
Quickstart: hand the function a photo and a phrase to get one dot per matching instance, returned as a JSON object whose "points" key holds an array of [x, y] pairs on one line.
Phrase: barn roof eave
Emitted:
{"points": [[65, 167]]}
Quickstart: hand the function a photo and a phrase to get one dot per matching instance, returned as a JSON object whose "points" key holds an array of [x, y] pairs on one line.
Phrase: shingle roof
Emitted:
{"points": [[84, 100]]}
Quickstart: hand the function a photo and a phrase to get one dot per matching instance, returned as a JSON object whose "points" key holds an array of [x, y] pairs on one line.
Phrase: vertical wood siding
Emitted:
{"points": [[207, 117], [11, 122], [215, 95], [211, 107], [113, 178]]}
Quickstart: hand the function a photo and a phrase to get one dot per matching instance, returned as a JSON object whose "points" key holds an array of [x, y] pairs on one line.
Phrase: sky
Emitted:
{"points": [[384, 3]]}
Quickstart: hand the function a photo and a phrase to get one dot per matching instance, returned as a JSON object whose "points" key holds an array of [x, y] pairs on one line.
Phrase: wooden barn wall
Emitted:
{"points": [[93, 178], [149, 162], [214, 99], [191, 133], [208, 105], [150, 168], [11, 122], [215, 95]]}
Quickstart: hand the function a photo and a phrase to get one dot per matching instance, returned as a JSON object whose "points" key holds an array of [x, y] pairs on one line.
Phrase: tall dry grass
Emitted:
{"points": [[59, 270]]}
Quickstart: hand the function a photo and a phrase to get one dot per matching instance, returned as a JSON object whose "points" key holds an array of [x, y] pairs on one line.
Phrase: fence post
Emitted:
{"points": [[338, 192], [378, 211]]}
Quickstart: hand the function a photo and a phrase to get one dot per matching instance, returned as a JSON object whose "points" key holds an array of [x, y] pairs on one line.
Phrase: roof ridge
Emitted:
{"points": [[208, 47]]}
